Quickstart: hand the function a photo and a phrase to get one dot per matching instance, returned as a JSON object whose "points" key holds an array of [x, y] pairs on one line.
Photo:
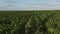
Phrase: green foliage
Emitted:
{"points": [[30, 22]]}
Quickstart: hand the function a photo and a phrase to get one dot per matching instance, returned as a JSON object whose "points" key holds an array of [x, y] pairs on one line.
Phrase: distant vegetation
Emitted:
{"points": [[30, 22]]}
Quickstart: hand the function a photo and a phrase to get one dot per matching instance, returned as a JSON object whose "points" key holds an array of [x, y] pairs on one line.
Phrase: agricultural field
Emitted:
{"points": [[30, 22]]}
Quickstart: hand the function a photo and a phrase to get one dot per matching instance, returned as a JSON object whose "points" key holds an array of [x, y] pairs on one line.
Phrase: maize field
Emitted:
{"points": [[30, 22]]}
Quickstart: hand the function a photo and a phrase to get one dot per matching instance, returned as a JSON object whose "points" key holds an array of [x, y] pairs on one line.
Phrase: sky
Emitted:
{"points": [[29, 4]]}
